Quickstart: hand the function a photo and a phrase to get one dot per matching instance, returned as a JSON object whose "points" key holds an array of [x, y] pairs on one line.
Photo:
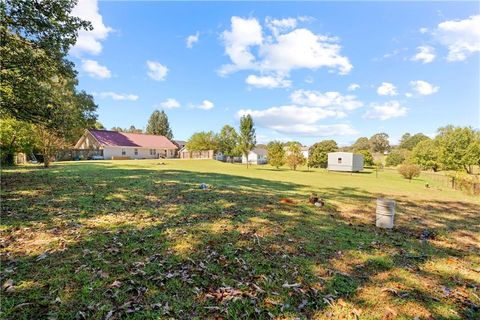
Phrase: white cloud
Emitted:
{"points": [[95, 70], [423, 30], [301, 48], [117, 96], [191, 39], [332, 100], [423, 88], [157, 71], [390, 109], [425, 54], [206, 105], [90, 41], [353, 87], [387, 89], [244, 33], [280, 25], [282, 51], [170, 103], [267, 81], [297, 120], [461, 37], [408, 95]]}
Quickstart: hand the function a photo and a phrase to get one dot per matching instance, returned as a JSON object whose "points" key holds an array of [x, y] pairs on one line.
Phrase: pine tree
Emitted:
{"points": [[158, 124]]}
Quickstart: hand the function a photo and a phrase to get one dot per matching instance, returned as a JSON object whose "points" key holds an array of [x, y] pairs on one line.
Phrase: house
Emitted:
{"points": [[256, 156], [184, 153], [305, 151], [345, 161], [121, 145]]}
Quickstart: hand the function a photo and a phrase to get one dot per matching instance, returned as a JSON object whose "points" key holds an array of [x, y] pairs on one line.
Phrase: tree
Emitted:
{"points": [[15, 136], [472, 154], [49, 143], [362, 143], [276, 154], [158, 124], [426, 154], [202, 141], [379, 142], [409, 171], [227, 142], [396, 157], [453, 144], [35, 39], [132, 129], [409, 142], [367, 157], [98, 125], [294, 156], [318, 153], [247, 138]]}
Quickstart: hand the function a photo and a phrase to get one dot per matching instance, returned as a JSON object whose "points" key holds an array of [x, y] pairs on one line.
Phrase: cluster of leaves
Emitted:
{"points": [[318, 153], [38, 83], [409, 171], [158, 124], [131, 129]]}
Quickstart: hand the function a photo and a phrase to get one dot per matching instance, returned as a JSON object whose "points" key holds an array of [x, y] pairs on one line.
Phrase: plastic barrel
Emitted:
{"points": [[385, 213]]}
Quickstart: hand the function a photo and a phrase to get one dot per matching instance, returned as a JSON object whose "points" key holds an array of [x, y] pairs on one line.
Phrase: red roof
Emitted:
{"points": [[121, 139]]}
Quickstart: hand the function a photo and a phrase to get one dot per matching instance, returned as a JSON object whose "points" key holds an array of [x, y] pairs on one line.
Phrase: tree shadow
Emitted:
{"points": [[233, 250]]}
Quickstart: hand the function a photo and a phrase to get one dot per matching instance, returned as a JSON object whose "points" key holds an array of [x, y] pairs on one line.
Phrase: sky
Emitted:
{"points": [[305, 71]]}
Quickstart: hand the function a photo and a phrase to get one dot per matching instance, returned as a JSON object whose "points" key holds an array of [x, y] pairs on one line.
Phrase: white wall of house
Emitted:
{"points": [[141, 153], [345, 161], [254, 158], [305, 153], [87, 142]]}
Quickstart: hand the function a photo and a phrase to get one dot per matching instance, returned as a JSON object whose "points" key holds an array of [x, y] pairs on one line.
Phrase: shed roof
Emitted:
{"points": [[121, 139]]}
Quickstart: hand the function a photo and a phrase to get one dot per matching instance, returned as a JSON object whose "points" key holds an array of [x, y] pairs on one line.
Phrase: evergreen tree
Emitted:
{"points": [[247, 139], [158, 124]]}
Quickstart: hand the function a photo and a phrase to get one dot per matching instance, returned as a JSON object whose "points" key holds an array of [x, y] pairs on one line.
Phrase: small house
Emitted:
{"points": [[345, 161], [305, 151], [256, 156], [121, 145]]}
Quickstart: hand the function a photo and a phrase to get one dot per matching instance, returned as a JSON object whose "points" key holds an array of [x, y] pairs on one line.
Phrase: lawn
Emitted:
{"points": [[141, 240]]}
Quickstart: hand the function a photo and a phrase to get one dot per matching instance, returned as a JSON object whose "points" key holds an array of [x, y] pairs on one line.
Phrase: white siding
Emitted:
{"points": [[345, 161], [254, 158], [142, 153]]}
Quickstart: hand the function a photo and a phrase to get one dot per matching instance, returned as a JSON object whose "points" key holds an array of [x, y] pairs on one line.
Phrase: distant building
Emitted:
{"points": [[305, 151], [256, 156], [184, 153], [121, 145], [345, 161]]}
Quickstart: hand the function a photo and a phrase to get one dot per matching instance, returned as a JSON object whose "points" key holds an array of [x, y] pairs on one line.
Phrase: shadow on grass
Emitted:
{"points": [[140, 243]]}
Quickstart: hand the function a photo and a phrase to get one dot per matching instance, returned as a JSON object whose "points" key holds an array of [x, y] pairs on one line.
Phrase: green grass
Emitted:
{"points": [[141, 240]]}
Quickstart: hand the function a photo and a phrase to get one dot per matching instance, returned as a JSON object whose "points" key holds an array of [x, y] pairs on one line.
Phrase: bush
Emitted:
{"points": [[367, 157], [409, 171], [395, 158]]}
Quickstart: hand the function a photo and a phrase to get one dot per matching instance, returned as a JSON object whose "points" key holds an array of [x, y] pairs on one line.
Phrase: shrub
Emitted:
{"points": [[367, 157], [409, 171], [395, 158]]}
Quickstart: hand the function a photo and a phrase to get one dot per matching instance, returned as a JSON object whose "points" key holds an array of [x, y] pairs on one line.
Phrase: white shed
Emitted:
{"points": [[345, 161]]}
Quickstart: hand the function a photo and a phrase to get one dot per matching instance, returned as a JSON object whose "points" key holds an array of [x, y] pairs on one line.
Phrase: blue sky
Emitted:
{"points": [[304, 71]]}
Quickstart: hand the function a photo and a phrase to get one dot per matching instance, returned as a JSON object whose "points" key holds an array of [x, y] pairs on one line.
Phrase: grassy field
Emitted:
{"points": [[141, 240]]}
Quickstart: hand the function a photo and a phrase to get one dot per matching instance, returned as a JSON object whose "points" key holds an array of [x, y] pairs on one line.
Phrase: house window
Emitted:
{"points": [[135, 152], [123, 152], [339, 160], [153, 152]]}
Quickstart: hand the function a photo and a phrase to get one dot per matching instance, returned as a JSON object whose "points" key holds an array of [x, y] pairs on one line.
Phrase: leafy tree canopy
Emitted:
{"points": [[318, 153], [247, 137], [409, 142], [158, 124], [294, 156], [202, 141], [276, 153], [379, 142], [228, 141]]}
